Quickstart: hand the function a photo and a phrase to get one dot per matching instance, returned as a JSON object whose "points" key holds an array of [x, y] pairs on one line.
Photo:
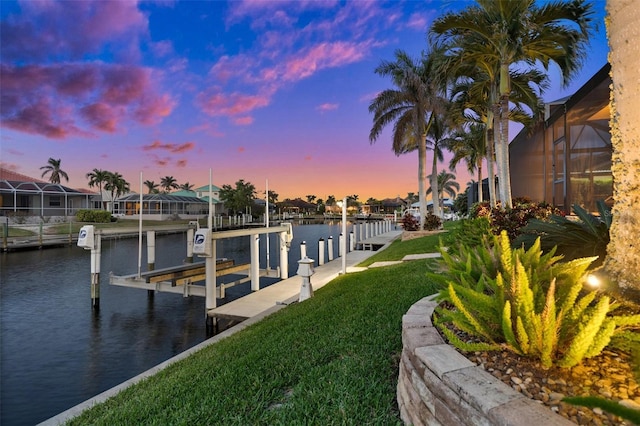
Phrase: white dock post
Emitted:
{"points": [[210, 288], [305, 270], [95, 272], [361, 233], [352, 242], [330, 248], [341, 245], [151, 257], [255, 262], [284, 256], [303, 250], [321, 251], [190, 233], [367, 230]]}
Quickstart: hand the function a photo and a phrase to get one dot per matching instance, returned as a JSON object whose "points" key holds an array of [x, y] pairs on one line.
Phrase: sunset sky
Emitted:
{"points": [[253, 90]]}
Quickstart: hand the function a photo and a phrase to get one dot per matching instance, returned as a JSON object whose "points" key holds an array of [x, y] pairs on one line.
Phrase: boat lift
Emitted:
{"points": [[181, 279]]}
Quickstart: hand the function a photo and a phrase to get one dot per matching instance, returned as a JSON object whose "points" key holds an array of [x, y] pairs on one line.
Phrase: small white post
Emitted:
{"points": [[303, 250], [96, 252], [190, 233], [352, 242], [305, 270], [151, 250], [255, 262], [330, 248], [341, 245], [321, 251], [284, 256]]}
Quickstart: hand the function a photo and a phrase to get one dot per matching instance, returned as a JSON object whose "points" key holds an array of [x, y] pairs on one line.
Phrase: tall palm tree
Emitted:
{"points": [[117, 186], [168, 183], [186, 186], [518, 33], [446, 184], [152, 187], [98, 177], [438, 139], [53, 167], [410, 107]]}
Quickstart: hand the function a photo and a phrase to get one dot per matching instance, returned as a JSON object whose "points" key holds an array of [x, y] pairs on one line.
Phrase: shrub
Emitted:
{"points": [[587, 236], [94, 216], [409, 222], [432, 222], [524, 301], [469, 232], [514, 219]]}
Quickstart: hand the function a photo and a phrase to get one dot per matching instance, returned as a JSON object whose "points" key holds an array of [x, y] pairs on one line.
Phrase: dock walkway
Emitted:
{"points": [[287, 291]]}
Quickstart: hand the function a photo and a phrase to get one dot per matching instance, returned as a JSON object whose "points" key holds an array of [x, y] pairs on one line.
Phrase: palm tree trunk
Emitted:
{"points": [[480, 179], [422, 177], [502, 152], [623, 262], [491, 121], [435, 196]]}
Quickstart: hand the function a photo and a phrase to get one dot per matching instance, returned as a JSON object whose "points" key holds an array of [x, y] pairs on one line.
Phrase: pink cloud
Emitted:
{"points": [[241, 149], [323, 55], [417, 22], [327, 107], [57, 100], [243, 121], [207, 128], [228, 67], [162, 48], [14, 152], [181, 163], [171, 147], [307, 158], [52, 29], [219, 103]]}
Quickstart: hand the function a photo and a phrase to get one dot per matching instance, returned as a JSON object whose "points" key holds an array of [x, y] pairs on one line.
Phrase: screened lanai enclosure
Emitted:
{"points": [[161, 206], [567, 159]]}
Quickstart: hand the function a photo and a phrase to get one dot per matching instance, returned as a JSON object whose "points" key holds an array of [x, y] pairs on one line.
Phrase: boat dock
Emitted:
{"points": [[287, 291]]}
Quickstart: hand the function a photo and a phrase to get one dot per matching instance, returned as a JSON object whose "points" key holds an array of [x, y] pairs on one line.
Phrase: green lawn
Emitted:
{"points": [[329, 360]]}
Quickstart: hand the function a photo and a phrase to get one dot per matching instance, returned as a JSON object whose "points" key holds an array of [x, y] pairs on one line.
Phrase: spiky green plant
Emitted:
{"points": [[525, 301], [586, 236]]}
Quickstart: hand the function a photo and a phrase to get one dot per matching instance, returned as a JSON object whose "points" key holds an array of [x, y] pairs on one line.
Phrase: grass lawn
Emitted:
{"points": [[329, 360]]}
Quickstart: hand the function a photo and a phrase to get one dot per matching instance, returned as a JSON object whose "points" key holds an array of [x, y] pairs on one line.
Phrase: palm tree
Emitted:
{"points": [[311, 199], [437, 139], [410, 107], [117, 186], [447, 184], [98, 177], [186, 186], [168, 183], [471, 147], [517, 33], [152, 187], [53, 167]]}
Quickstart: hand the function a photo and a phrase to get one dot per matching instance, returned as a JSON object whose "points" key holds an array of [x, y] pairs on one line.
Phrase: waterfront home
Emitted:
{"points": [[22, 197]]}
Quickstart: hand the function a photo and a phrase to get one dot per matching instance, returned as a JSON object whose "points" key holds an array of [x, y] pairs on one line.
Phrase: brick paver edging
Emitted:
{"points": [[439, 386]]}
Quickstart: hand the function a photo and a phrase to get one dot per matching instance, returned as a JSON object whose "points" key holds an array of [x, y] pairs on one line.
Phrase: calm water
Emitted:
{"points": [[56, 352]]}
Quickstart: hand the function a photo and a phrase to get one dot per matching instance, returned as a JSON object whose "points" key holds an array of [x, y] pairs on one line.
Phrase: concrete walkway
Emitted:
{"points": [[287, 291], [254, 306]]}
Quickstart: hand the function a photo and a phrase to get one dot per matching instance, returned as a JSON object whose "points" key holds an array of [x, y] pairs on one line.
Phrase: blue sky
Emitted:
{"points": [[254, 90]]}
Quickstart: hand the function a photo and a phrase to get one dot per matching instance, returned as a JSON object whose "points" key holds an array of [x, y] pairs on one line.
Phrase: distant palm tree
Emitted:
{"points": [[152, 187], [520, 32], [116, 185], [186, 186], [53, 167], [409, 106], [331, 200], [168, 183], [446, 184], [98, 177], [471, 147], [311, 198]]}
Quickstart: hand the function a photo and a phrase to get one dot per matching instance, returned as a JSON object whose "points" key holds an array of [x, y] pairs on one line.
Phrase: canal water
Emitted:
{"points": [[56, 352]]}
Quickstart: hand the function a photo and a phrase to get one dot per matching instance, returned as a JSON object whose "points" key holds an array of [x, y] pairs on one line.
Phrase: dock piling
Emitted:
{"points": [[330, 248], [95, 272], [151, 256], [321, 251], [190, 233], [255, 262]]}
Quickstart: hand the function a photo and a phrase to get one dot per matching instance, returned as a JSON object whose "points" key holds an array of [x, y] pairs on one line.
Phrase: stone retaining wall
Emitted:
{"points": [[439, 386]]}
